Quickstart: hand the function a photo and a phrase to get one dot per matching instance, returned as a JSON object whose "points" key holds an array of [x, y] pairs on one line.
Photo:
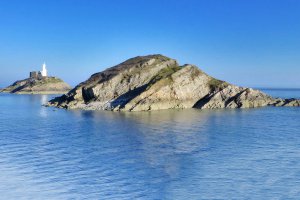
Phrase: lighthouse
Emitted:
{"points": [[39, 74], [44, 70]]}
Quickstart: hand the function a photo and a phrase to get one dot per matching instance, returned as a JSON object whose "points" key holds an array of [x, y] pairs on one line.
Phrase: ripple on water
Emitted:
{"points": [[179, 154]]}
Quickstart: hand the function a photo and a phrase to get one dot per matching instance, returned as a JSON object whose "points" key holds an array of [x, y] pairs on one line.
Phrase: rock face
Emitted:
{"points": [[156, 82], [45, 85]]}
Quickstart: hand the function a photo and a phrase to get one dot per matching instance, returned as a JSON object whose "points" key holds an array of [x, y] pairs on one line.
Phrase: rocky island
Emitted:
{"points": [[157, 82], [38, 83]]}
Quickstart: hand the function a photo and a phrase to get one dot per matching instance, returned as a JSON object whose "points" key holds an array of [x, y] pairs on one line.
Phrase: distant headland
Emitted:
{"points": [[38, 83], [157, 82]]}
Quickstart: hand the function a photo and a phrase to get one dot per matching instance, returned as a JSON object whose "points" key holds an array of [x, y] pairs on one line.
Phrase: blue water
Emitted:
{"points": [[48, 153], [283, 93]]}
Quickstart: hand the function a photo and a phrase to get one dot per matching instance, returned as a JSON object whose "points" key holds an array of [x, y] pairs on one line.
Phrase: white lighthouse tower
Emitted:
{"points": [[44, 70]]}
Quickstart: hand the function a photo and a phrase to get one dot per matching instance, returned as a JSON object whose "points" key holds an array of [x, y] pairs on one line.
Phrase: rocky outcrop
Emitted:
{"points": [[156, 82], [286, 102], [45, 85]]}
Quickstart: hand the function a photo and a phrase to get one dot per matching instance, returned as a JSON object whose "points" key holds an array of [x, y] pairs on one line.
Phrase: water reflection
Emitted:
{"points": [[162, 137], [43, 101]]}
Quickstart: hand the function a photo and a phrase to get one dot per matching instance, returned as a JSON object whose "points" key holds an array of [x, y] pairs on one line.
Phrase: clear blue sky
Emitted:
{"points": [[246, 42]]}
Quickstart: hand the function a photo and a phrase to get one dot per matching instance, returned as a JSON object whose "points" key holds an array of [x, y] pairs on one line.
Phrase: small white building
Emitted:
{"points": [[44, 72]]}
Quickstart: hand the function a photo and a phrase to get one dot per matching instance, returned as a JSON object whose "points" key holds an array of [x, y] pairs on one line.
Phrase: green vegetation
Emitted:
{"points": [[47, 81], [142, 59], [215, 84], [196, 72], [165, 73]]}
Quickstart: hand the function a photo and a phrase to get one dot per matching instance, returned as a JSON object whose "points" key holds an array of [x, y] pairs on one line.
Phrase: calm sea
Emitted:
{"points": [[48, 153]]}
